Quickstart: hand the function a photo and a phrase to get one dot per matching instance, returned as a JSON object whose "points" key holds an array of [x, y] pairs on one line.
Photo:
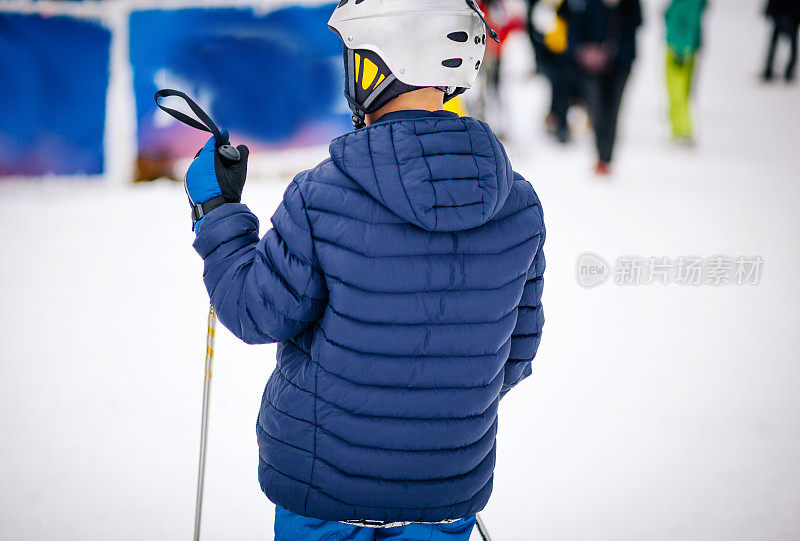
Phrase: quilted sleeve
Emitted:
{"points": [[266, 290], [530, 320]]}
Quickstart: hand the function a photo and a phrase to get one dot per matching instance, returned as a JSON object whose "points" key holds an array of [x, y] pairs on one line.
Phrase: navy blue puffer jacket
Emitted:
{"points": [[402, 280]]}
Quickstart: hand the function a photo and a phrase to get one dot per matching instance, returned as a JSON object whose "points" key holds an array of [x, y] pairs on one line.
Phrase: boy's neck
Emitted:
{"points": [[424, 99]]}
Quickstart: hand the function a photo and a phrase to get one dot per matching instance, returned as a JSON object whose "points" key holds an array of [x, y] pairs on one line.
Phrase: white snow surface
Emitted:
{"points": [[654, 412]]}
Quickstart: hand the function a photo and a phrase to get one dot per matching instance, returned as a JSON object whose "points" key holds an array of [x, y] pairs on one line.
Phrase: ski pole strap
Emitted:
{"points": [[205, 124]]}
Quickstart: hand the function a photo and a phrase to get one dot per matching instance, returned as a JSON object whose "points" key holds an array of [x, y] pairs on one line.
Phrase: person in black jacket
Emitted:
{"points": [[602, 37], [785, 15]]}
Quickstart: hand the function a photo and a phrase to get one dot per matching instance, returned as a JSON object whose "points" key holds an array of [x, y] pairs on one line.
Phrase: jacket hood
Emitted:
{"points": [[436, 170]]}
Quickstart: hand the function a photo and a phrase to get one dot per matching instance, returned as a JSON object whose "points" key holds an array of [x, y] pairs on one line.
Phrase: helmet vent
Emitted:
{"points": [[343, 2], [452, 62], [460, 37]]}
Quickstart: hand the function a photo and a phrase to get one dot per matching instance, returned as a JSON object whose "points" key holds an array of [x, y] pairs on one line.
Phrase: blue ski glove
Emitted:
{"points": [[215, 178]]}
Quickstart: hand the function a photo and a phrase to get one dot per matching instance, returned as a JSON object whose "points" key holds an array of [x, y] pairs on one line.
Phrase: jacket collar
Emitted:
{"points": [[413, 114]]}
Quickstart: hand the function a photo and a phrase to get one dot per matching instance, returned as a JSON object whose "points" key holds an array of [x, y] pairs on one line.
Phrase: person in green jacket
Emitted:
{"points": [[684, 36]]}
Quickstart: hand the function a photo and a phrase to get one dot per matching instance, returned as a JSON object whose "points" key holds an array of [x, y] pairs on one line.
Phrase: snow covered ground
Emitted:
{"points": [[654, 413]]}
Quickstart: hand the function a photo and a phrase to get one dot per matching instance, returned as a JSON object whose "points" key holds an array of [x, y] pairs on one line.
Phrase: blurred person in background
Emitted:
{"points": [[785, 15], [684, 20], [602, 39], [487, 104], [547, 29]]}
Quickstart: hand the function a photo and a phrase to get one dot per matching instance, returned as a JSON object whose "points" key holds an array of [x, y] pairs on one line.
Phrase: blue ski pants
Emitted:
{"points": [[292, 527]]}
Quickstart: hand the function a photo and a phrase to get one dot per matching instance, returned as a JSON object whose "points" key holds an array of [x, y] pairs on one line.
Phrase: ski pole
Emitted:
{"points": [[201, 471], [230, 154], [482, 528]]}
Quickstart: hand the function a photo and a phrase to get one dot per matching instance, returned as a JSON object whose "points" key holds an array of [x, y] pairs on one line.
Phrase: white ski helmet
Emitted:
{"points": [[396, 46]]}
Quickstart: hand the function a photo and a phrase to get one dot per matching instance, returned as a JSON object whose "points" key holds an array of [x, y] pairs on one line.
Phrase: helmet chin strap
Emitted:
{"points": [[359, 118], [359, 113]]}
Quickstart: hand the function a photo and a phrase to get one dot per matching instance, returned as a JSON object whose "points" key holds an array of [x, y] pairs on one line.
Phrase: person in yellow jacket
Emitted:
{"points": [[684, 19], [547, 29]]}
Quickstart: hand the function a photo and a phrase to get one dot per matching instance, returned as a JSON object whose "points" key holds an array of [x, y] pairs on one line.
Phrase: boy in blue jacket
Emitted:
{"points": [[402, 280]]}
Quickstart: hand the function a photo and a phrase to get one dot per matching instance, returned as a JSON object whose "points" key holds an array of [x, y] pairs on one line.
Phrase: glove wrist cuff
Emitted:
{"points": [[201, 209]]}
